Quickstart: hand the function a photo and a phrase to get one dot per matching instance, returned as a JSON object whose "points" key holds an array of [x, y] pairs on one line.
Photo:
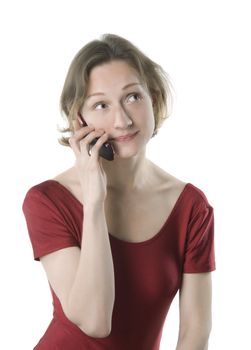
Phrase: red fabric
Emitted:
{"points": [[147, 274]]}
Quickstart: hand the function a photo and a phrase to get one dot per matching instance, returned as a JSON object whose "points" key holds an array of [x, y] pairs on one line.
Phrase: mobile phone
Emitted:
{"points": [[106, 150]]}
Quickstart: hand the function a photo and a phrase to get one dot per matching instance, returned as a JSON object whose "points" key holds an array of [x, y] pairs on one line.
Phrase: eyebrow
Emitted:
{"points": [[101, 93]]}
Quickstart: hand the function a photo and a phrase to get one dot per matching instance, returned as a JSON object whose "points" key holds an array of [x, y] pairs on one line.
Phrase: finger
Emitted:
{"points": [[95, 149], [85, 143], [79, 135], [74, 145], [83, 132]]}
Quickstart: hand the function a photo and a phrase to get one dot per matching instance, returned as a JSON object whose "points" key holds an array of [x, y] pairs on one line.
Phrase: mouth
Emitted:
{"points": [[126, 137]]}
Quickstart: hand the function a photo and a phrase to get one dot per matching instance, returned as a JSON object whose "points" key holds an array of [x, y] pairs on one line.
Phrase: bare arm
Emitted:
{"points": [[195, 311], [83, 279]]}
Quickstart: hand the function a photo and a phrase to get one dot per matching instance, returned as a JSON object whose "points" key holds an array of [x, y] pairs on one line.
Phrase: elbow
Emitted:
{"points": [[101, 333], [92, 327], [96, 332], [93, 320], [198, 327], [196, 335]]}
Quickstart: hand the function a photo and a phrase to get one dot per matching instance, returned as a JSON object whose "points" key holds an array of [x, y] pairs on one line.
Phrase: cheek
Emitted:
{"points": [[150, 126], [90, 118], [148, 116]]}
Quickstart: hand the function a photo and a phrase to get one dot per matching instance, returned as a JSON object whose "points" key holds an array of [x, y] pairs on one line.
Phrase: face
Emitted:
{"points": [[118, 103]]}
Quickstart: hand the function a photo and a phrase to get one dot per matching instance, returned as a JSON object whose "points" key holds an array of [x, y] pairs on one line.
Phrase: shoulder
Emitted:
{"points": [[173, 186], [38, 198], [40, 190], [48, 187], [53, 193], [168, 184], [69, 180], [66, 177]]}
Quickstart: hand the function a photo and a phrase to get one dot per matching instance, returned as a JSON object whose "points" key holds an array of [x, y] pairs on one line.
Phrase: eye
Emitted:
{"points": [[99, 104], [135, 94], [132, 97]]}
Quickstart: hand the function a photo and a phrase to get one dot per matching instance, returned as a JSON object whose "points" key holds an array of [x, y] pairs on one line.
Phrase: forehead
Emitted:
{"points": [[115, 74]]}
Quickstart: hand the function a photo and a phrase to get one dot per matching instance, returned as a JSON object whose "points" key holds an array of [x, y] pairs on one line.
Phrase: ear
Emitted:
{"points": [[81, 120]]}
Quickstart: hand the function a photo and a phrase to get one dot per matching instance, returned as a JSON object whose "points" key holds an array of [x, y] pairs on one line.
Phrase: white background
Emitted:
{"points": [[205, 48]]}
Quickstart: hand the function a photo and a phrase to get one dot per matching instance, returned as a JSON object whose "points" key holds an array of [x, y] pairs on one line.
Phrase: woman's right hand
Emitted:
{"points": [[92, 176]]}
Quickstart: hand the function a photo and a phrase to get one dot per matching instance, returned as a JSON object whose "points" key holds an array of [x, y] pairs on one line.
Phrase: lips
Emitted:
{"points": [[125, 137]]}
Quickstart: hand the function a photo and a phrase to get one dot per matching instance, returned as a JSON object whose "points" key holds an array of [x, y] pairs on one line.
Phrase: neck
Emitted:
{"points": [[125, 175]]}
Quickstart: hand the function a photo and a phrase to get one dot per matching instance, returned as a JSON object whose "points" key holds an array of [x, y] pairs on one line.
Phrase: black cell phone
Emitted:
{"points": [[106, 150]]}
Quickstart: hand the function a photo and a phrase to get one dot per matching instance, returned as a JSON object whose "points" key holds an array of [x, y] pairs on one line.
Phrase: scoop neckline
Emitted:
{"points": [[121, 241]]}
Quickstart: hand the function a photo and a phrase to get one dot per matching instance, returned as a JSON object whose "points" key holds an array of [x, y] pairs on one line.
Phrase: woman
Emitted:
{"points": [[118, 238]]}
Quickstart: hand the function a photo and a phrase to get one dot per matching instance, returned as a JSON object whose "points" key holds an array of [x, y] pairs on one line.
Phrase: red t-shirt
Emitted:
{"points": [[148, 274]]}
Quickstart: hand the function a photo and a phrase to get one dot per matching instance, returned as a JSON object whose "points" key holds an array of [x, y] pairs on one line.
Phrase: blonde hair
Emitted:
{"points": [[112, 47]]}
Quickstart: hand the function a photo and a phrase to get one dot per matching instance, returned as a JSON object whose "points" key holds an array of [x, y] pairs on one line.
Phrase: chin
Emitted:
{"points": [[130, 149], [123, 155], [127, 153]]}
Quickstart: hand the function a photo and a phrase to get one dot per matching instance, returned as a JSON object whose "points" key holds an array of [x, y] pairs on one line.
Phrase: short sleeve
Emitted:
{"points": [[199, 252], [46, 226]]}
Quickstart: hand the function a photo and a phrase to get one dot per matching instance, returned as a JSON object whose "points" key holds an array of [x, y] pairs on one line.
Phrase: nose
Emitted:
{"points": [[122, 120]]}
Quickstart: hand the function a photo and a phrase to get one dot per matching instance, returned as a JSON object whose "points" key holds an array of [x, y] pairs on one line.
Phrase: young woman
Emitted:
{"points": [[119, 237]]}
